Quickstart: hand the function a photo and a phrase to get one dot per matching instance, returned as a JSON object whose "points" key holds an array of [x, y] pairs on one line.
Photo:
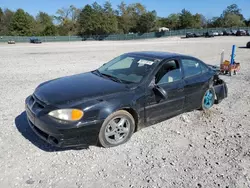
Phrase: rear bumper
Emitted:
{"points": [[61, 135]]}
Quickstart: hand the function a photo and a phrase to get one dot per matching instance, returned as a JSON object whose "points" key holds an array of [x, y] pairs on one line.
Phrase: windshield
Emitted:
{"points": [[130, 69]]}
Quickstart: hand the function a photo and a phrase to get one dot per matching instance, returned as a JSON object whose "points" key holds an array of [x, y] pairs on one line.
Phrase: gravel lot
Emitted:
{"points": [[195, 149]]}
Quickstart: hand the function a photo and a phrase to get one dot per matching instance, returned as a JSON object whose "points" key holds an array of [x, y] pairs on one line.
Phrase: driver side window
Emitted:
{"points": [[169, 72]]}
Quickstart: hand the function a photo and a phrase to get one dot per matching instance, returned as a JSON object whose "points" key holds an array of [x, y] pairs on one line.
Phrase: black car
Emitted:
{"points": [[209, 34], [247, 32], [132, 91], [190, 35], [241, 33], [227, 33], [233, 32], [197, 35], [35, 41]]}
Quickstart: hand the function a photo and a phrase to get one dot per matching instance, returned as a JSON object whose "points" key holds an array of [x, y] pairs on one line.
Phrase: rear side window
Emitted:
{"points": [[191, 67]]}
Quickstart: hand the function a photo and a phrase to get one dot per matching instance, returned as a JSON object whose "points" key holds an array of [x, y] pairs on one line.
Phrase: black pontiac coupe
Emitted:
{"points": [[132, 91]]}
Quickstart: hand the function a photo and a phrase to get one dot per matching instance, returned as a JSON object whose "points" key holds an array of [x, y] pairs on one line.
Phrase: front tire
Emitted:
{"points": [[208, 99], [116, 129]]}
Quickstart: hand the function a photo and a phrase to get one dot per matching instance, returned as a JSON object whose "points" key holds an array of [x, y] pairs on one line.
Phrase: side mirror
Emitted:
{"points": [[160, 91]]}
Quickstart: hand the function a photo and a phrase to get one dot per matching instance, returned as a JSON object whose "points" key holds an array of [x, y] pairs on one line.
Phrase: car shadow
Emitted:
{"points": [[23, 127], [243, 47]]}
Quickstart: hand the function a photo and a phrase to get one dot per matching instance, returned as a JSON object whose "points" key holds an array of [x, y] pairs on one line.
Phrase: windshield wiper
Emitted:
{"points": [[113, 78], [97, 72]]}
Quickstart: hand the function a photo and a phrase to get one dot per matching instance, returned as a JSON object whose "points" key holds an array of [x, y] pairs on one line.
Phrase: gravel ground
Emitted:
{"points": [[195, 149]]}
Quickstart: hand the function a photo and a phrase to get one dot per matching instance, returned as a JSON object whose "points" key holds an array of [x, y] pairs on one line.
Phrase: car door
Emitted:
{"points": [[194, 82], [169, 77]]}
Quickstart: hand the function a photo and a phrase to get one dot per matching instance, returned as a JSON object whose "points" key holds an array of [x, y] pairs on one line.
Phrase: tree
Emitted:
{"points": [[32, 24], [49, 30], [232, 9], [1, 21], [186, 19], [87, 21], [231, 17], [197, 21], [1, 15], [107, 8], [124, 18], [67, 19], [97, 20], [204, 21], [146, 22], [161, 22], [45, 24], [173, 21], [247, 22], [215, 22], [21, 24], [110, 21], [128, 16], [233, 20], [6, 17]]}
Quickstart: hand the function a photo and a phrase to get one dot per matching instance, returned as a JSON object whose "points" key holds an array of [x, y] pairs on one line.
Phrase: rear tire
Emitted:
{"points": [[248, 45], [208, 99], [116, 129]]}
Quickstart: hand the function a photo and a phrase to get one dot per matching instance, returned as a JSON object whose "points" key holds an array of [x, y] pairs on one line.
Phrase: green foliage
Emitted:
{"points": [[22, 24], [231, 20], [247, 22], [1, 15], [233, 10], [173, 21], [231, 17], [1, 21], [215, 22], [146, 22], [68, 20], [45, 24], [197, 21], [5, 23], [186, 19], [96, 19], [128, 16]]}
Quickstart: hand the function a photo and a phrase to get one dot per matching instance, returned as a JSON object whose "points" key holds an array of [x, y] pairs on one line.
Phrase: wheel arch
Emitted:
{"points": [[135, 115], [107, 111]]}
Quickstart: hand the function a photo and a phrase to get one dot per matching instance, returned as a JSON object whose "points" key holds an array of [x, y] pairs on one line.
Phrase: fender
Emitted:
{"points": [[135, 107]]}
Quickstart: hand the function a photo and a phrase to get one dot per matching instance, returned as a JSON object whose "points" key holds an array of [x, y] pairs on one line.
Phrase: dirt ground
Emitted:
{"points": [[195, 149]]}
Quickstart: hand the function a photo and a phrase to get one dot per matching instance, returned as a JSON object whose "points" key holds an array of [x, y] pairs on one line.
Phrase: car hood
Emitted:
{"points": [[77, 87]]}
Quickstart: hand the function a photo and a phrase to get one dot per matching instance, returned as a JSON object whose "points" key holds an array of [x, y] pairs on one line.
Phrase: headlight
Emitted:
{"points": [[67, 114]]}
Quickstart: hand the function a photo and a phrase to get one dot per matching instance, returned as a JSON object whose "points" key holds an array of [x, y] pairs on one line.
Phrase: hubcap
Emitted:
{"points": [[208, 99], [117, 130]]}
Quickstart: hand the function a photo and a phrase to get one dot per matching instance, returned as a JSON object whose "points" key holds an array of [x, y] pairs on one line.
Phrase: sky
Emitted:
{"points": [[208, 8]]}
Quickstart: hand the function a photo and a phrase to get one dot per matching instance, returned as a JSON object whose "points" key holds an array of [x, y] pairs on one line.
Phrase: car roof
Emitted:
{"points": [[156, 54]]}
